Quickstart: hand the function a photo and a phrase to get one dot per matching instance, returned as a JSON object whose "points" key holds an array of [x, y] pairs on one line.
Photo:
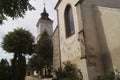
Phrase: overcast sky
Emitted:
{"points": [[29, 22]]}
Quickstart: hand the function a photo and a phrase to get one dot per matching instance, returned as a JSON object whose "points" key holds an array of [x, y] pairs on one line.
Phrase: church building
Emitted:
{"points": [[88, 36], [44, 23]]}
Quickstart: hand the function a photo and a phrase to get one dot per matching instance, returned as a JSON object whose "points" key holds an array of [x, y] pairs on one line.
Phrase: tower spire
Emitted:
{"points": [[44, 14], [44, 7]]}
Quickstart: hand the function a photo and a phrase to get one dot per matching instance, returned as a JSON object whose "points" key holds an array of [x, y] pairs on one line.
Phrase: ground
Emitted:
{"points": [[31, 78]]}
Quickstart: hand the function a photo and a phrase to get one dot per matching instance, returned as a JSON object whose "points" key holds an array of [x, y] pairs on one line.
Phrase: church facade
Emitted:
{"points": [[89, 35]]}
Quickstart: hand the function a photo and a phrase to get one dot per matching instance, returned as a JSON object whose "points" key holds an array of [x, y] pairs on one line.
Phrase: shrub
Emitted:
{"points": [[69, 72]]}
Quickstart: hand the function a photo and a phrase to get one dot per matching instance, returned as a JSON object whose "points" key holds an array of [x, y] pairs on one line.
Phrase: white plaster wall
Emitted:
{"points": [[56, 54], [110, 18], [83, 60], [46, 25], [38, 29], [70, 47], [95, 37], [94, 41]]}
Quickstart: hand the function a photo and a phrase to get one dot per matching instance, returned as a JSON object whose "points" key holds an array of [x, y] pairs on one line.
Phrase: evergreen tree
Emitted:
{"points": [[4, 70], [43, 54]]}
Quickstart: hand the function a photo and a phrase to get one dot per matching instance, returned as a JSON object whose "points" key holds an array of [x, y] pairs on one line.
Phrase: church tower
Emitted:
{"points": [[44, 23]]}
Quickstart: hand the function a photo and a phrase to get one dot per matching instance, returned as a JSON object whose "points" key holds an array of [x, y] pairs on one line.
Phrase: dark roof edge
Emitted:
{"points": [[57, 4], [47, 19], [55, 29], [77, 3]]}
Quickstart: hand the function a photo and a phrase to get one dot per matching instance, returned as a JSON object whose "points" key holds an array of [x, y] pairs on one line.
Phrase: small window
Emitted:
{"points": [[69, 24]]}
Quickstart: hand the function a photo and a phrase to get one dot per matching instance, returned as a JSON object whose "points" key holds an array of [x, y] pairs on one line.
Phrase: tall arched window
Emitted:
{"points": [[69, 24]]}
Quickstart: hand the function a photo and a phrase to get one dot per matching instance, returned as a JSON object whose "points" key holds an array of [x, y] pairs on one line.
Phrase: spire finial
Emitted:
{"points": [[44, 3]]}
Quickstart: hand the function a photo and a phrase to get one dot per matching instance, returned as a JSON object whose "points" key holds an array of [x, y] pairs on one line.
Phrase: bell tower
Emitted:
{"points": [[44, 23]]}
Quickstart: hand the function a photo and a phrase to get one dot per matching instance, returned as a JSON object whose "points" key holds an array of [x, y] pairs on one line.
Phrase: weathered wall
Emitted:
{"points": [[70, 47], [100, 44], [98, 22], [56, 49], [110, 20], [45, 25]]}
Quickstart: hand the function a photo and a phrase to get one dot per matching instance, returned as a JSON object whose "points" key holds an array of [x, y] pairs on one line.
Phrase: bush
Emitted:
{"points": [[69, 72], [109, 76]]}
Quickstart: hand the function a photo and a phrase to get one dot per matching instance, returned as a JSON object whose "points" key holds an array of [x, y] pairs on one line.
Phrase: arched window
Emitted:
{"points": [[69, 24]]}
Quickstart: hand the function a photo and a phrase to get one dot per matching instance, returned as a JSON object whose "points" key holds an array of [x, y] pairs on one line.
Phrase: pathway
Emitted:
{"points": [[31, 78]]}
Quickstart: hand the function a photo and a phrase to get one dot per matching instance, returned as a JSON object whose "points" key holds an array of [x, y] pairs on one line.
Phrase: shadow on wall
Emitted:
{"points": [[105, 52]]}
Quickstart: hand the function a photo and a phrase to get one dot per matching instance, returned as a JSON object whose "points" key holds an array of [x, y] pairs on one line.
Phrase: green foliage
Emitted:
{"points": [[44, 47], [59, 74], [69, 72], [43, 54], [108, 76], [36, 62], [14, 8], [19, 66], [18, 41], [22, 68], [4, 70]]}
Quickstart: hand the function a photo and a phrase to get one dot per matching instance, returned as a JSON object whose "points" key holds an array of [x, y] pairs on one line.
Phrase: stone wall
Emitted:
{"points": [[56, 49], [69, 47], [101, 27], [72, 48], [94, 47]]}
